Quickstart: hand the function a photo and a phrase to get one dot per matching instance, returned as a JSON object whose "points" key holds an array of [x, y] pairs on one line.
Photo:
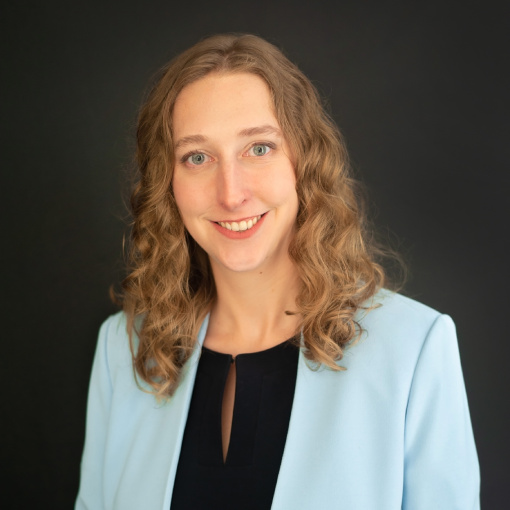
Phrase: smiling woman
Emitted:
{"points": [[260, 360], [244, 175]]}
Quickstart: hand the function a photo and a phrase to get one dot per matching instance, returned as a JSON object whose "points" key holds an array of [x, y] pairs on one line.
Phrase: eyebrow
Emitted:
{"points": [[188, 140], [266, 129]]}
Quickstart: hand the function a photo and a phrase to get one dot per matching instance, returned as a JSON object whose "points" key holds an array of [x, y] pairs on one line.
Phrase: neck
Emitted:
{"points": [[249, 312]]}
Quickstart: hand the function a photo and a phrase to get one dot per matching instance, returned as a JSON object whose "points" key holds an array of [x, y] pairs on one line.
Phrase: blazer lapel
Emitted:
{"points": [[177, 412], [308, 457]]}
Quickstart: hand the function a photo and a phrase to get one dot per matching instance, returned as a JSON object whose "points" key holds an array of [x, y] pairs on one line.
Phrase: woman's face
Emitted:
{"points": [[234, 181]]}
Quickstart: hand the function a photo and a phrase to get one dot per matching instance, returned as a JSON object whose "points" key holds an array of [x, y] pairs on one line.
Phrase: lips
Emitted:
{"points": [[240, 226]]}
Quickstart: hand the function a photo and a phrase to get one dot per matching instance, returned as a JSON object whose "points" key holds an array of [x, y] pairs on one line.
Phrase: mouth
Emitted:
{"points": [[240, 226]]}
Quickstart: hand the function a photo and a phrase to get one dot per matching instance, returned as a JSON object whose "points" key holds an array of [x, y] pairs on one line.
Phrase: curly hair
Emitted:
{"points": [[170, 284]]}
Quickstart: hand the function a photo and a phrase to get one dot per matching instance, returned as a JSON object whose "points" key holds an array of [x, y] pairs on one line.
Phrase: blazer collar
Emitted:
{"points": [[177, 410], [295, 455]]}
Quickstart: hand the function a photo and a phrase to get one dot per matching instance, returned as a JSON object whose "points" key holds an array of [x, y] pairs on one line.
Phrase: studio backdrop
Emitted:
{"points": [[419, 91]]}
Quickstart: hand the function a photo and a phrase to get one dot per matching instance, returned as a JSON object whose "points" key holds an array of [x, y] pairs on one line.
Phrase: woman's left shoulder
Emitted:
{"points": [[393, 308], [393, 323]]}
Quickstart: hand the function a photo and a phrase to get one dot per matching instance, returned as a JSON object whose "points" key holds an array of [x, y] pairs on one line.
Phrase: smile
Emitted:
{"points": [[240, 226]]}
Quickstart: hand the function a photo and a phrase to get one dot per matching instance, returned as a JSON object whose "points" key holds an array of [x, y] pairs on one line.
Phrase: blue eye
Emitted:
{"points": [[196, 159], [260, 149]]}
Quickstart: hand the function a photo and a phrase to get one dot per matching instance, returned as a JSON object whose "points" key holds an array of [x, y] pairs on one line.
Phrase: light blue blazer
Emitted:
{"points": [[391, 432]]}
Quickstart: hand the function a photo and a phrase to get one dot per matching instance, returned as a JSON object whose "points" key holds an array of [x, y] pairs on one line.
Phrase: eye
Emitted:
{"points": [[260, 149], [195, 159]]}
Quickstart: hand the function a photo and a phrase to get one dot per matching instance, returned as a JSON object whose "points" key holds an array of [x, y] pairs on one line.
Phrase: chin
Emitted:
{"points": [[242, 266], [239, 264]]}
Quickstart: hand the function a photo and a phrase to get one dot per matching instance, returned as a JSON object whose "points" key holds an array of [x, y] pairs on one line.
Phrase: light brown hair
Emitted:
{"points": [[170, 285]]}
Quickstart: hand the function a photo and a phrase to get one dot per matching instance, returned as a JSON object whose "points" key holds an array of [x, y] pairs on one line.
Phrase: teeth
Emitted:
{"points": [[242, 225]]}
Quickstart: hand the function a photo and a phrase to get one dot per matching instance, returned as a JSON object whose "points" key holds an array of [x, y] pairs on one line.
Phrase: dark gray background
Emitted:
{"points": [[420, 92]]}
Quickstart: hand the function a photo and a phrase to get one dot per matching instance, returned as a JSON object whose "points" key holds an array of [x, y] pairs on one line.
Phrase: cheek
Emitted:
{"points": [[281, 187], [184, 201], [186, 196]]}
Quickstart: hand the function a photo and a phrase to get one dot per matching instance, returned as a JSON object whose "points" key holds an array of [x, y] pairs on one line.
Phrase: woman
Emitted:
{"points": [[259, 362]]}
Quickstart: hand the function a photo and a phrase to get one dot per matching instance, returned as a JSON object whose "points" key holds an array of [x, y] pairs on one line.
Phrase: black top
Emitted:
{"points": [[264, 392]]}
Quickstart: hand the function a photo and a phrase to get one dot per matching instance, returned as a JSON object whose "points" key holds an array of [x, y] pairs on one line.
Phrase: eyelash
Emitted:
{"points": [[271, 145], [188, 155]]}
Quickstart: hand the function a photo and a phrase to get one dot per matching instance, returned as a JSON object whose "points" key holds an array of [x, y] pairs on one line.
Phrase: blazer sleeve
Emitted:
{"points": [[90, 495], [441, 467]]}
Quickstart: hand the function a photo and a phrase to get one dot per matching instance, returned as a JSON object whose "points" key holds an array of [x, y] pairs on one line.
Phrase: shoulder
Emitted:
{"points": [[115, 325], [113, 330], [391, 309], [113, 346], [396, 328]]}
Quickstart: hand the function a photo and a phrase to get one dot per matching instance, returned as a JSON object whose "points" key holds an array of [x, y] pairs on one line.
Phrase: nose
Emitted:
{"points": [[232, 185]]}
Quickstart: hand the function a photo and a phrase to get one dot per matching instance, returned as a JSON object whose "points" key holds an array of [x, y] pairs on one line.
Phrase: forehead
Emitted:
{"points": [[218, 102]]}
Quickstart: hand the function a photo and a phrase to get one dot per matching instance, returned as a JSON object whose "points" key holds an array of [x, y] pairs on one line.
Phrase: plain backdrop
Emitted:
{"points": [[420, 91]]}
